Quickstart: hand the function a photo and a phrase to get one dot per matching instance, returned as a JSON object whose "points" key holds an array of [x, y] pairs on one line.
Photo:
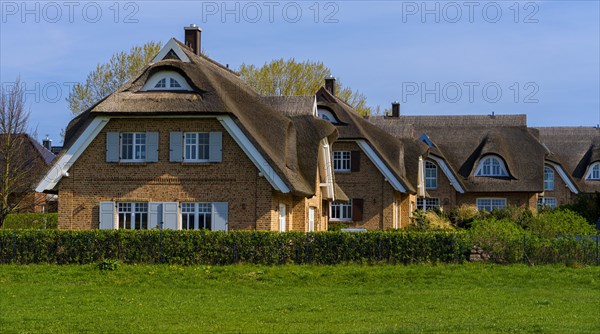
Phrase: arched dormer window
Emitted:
{"points": [[327, 115], [491, 166], [594, 173], [548, 178], [166, 80]]}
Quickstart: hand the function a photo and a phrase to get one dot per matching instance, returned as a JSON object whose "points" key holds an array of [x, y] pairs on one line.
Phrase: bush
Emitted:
{"points": [[31, 221], [560, 222], [501, 238], [464, 215], [588, 206]]}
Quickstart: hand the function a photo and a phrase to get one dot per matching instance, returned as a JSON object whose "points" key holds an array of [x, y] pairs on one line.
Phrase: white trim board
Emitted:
{"points": [[60, 167], [561, 172], [453, 180], [387, 173], [171, 45], [259, 161]]}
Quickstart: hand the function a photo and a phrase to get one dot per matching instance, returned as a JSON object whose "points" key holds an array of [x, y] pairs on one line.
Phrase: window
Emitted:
{"points": [[491, 166], [594, 173], [341, 210], [327, 115], [166, 80], [196, 216], [196, 146], [341, 161], [133, 216], [133, 146], [491, 204], [548, 178], [547, 202], [430, 175], [430, 203]]}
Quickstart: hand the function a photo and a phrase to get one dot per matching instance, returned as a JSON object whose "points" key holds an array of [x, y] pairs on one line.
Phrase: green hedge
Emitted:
{"points": [[205, 247], [219, 248], [31, 221]]}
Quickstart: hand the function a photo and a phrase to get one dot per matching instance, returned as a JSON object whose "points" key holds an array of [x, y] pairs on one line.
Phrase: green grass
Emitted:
{"points": [[328, 299]]}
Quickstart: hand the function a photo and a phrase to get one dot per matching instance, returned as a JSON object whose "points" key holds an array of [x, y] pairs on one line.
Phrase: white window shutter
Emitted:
{"points": [[152, 146], [176, 147], [170, 213], [107, 215], [154, 214], [215, 147], [219, 216], [112, 147]]}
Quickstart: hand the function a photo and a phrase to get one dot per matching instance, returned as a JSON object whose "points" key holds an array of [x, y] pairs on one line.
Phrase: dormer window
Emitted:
{"points": [[491, 166], [166, 80], [327, 115], [594, 173]]}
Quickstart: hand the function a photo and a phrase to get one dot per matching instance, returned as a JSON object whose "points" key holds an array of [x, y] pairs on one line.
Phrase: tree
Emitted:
{"points": [[288, 77], [108, 77], [15, 167]]}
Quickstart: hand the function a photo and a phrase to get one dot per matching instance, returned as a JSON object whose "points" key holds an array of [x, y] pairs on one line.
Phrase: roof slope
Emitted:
{"points": [[575, 148], [216, 91], [463, 140], [399, 154]]}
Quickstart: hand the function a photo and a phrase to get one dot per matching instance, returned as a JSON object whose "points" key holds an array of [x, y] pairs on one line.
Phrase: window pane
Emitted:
{"points": [[174, 83]]}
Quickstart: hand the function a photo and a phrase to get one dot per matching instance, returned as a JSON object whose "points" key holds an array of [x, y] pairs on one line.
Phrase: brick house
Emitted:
{"points": [[572, 164], [487, 161], [33, 160], [376, 171], [187, 144]]}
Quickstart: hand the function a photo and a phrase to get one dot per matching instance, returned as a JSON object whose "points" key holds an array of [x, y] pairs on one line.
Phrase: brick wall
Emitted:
{"points": [[253, 204], [561, 192]]}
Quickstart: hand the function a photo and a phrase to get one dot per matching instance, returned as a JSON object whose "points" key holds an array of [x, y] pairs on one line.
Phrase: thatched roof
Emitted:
{"points": [[463, 140], [216, 91], [575, 149], [399, 155]]}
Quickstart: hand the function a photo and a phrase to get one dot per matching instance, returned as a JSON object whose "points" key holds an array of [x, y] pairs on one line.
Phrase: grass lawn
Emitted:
{"points": [[334, 299]]}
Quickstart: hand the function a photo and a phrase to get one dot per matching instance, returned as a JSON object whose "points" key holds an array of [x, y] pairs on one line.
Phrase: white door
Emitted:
{"points": [[282, 222], [311, 219]]}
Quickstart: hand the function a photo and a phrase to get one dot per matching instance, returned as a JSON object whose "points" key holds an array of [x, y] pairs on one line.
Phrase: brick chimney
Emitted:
{"points": [[395, 109], [330, 85], [192, 38], [47, 143]]}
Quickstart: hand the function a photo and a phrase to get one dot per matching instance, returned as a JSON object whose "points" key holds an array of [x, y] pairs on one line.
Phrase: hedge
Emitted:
{"points": [[31, 221], [326, 248]]}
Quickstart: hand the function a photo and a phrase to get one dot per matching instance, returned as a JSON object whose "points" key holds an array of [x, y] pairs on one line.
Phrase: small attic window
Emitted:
{"points": [[594, 173], [491, 166], [166, 80], [327, 115]]}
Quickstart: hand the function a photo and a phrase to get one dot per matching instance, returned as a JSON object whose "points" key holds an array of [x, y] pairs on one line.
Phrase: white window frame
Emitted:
{"points": [[547, 202], [195, 146], [132, 214], [199, 212], [340, 211], [134, 146], [431, 175], [169, 77], [342, 161], [548, 178], [594, 173], [491, 203], [430, 203], [491, 166]]}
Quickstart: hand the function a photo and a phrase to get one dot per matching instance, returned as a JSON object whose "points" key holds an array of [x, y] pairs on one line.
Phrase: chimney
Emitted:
{"points": [[395, 109], [192, 38], [47, 143], [330, 84]]}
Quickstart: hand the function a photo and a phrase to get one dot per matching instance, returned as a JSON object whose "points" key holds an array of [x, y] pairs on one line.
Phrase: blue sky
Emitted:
{"points": [[437, 57]]}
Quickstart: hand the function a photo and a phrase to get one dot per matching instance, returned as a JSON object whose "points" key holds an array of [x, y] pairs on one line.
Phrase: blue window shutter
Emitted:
{"points": [[154, 215], [219, 216], [176, 147], [112, 147], [152, 146], [107, 215], [215, 147], [170, 213]]}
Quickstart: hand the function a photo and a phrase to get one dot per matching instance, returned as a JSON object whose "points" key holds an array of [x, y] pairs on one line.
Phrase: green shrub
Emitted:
{"points": [[560, 222], [108, 265], [501, 238], [464, 215], [31, 221], [588, 206]]}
